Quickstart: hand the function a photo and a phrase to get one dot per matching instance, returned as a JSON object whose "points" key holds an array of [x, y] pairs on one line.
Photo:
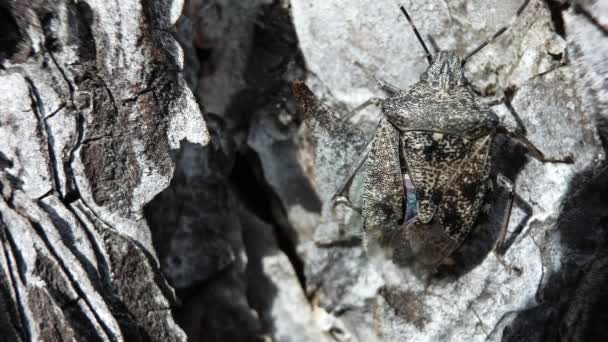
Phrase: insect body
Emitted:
{"points": [[427, 168], [444, 143]]}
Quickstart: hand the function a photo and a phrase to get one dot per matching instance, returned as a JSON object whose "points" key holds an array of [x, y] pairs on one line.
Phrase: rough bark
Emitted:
{"points": [[109, 186], [92, 108]]}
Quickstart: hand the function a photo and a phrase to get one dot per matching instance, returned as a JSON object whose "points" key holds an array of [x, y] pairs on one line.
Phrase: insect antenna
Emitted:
{"points": [[429, 56], [498, 33], [433, 43]]}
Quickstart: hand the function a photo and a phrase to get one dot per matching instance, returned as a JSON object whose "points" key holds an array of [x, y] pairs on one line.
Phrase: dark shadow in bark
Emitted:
{"points": [[197, 223], [10, 34], [197, 236], [572, 300]]}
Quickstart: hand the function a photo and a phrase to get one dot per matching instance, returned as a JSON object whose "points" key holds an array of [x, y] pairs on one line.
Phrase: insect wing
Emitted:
{"points": [[432, 158], [429, 243], [463, 195], [383, 190]]}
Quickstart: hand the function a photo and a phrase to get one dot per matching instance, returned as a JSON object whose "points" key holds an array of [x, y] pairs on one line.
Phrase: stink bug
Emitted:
{"points": [[427, 168]]}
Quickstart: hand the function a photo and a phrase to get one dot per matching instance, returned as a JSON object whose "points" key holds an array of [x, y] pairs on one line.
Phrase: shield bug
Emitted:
{"points": [[427, 168]]}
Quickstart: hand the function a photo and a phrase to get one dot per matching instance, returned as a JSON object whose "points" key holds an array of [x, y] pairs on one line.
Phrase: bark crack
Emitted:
{"points": [[61, 106], [75, 284], [21, 322], [38, 109], [65, 77], [481, 323], [72, 186]]}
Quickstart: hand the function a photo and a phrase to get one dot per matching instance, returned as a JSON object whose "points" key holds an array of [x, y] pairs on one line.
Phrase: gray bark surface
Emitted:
{"points": [[92, 106], [124, 215]]}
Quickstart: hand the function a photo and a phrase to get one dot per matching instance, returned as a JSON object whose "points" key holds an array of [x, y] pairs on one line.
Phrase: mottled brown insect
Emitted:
{"points": [[427, 168]]}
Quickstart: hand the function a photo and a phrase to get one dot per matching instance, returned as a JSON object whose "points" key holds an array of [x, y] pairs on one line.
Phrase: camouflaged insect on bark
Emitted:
{"points": [[437, 134], [428, 168]]}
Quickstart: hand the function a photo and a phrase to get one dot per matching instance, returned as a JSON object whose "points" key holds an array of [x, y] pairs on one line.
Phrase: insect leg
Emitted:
{"points": [[344, 200], [492, 102], [503, 244], [504, 182], [533, 150], [338, 197], [528, 211], [372, 101], [353, 172], [387, 87], [506, 265]]}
